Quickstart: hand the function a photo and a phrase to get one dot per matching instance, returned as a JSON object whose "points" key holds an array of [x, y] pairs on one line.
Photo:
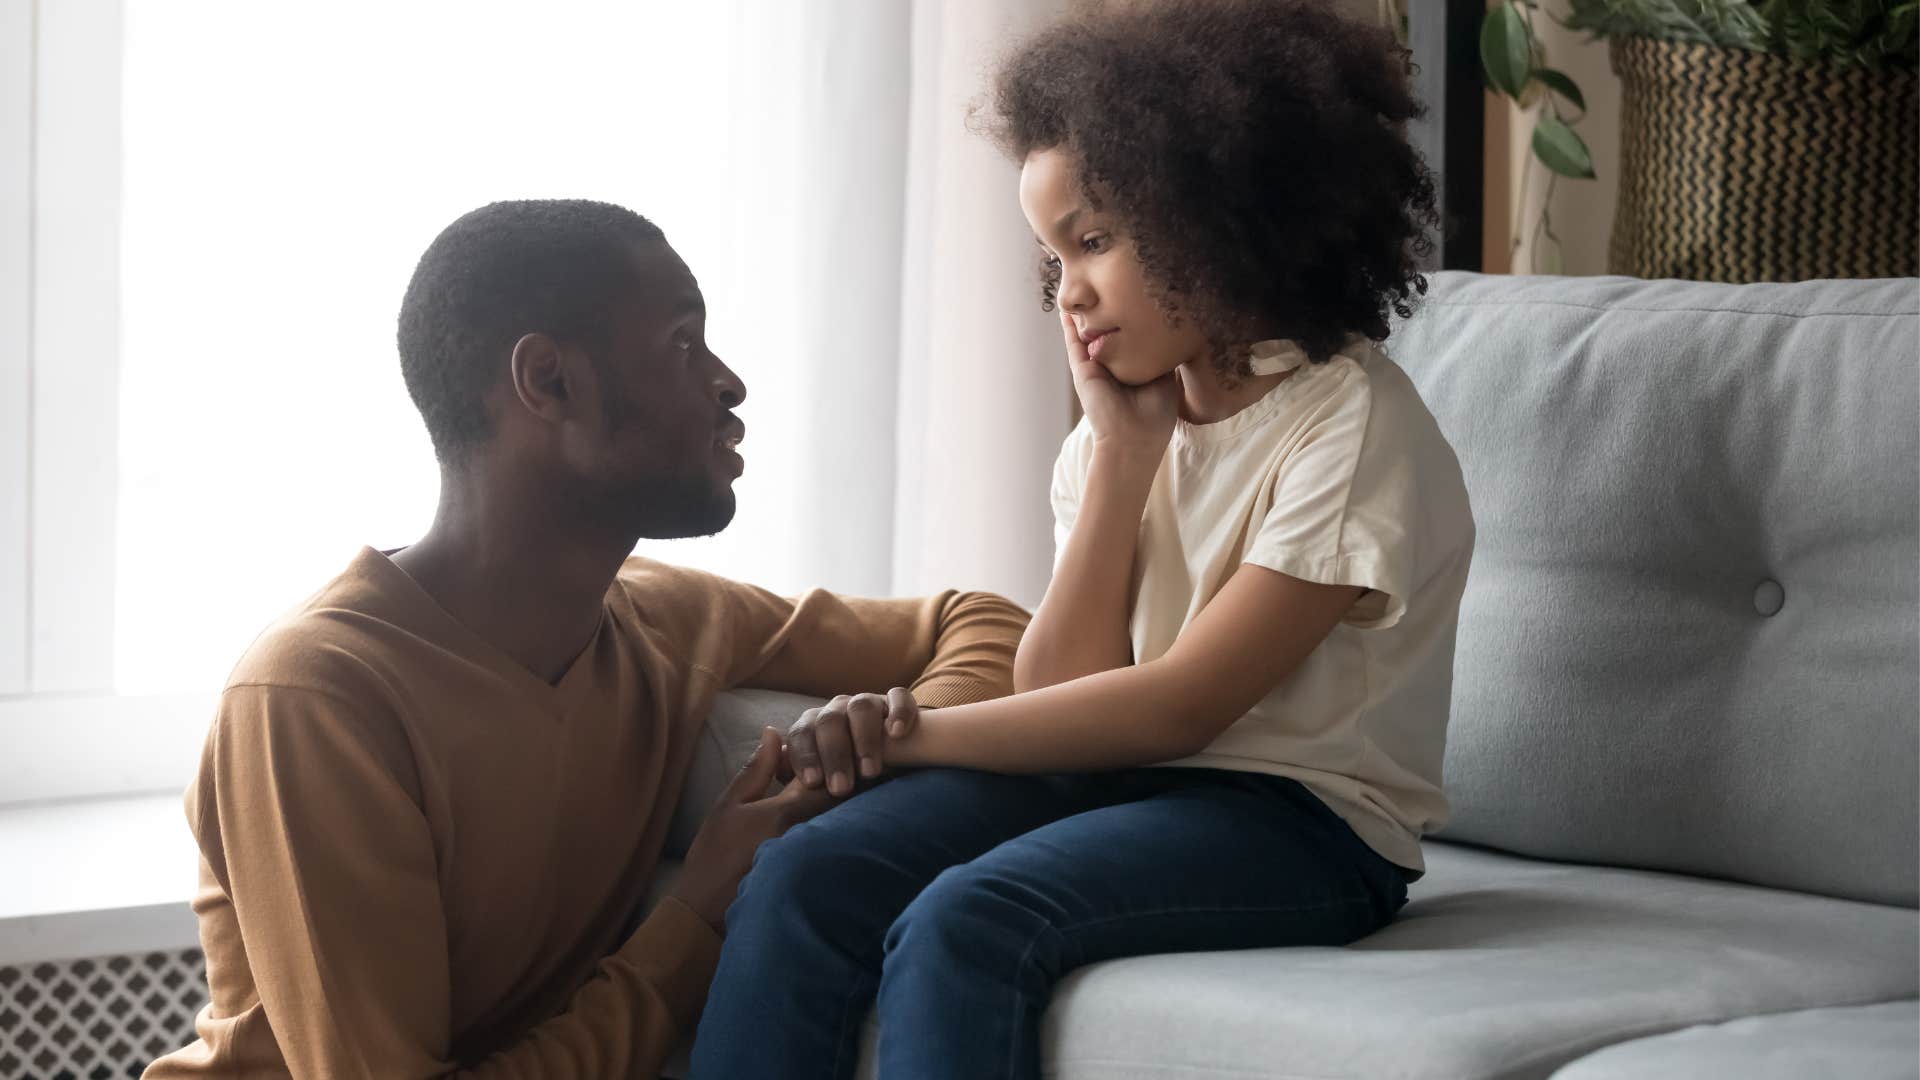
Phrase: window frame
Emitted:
{"points": [[64, 733]]}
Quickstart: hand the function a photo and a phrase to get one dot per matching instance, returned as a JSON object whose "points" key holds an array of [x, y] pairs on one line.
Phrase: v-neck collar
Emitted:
{"points": [[416, 609]]}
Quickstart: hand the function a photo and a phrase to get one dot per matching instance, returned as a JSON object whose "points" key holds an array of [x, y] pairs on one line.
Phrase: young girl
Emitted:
{"points": [[1233, 700]]}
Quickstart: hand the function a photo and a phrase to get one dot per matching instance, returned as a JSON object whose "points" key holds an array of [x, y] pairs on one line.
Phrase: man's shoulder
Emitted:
{"points": [[335, 669], [690, 616], [337, 641], [654, 586]]}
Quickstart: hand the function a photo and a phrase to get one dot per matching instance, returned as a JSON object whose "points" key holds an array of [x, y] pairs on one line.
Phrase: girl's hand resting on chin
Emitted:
{"points": [[1136, 419]]}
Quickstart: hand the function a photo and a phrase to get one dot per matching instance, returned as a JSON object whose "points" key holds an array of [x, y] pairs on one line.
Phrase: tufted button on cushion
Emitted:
{"points": [[1643, 458]]}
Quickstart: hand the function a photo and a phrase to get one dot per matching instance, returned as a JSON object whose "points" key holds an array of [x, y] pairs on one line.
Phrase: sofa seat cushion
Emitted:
{"points": [[1868, 1042], [1500, 967]]}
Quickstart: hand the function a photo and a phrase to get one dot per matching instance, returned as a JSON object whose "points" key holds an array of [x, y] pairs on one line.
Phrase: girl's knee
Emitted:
{"points": [[967, 908], [805, 859]]}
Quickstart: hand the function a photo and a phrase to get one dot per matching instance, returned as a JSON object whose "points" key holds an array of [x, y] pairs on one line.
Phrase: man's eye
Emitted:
{"points": [[683, 341]]}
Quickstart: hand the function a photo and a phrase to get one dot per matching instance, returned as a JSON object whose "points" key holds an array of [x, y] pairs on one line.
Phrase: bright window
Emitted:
{"points": [[284, 166]]}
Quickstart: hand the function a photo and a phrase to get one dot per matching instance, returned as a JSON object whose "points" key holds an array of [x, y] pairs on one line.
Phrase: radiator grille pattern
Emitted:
{"points": [[96, 1018]]}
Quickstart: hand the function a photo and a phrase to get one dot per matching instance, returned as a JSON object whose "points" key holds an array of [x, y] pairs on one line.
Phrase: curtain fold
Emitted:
{"points": [[931, 395]]}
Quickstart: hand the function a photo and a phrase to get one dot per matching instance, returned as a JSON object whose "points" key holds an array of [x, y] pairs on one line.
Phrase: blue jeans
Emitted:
{"points": [[953, 901]]}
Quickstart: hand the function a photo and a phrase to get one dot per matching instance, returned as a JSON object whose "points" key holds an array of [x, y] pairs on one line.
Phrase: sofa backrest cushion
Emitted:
{"points": [[1691, 637]]}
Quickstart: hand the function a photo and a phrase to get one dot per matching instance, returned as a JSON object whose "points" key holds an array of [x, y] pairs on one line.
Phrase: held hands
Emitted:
{"points": [[745, 817], [847, 737], [1137, 419]]}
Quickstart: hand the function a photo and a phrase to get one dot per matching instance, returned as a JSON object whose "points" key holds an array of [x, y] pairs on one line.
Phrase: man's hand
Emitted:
{"points": [[827, 744], [745, 817]]}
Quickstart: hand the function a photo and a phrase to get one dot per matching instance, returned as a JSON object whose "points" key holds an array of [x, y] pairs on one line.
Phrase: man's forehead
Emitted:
{"points": [[668, 288]]}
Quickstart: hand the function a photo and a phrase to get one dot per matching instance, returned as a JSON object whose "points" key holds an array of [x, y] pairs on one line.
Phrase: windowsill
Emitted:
{"points": [[95, 877]]}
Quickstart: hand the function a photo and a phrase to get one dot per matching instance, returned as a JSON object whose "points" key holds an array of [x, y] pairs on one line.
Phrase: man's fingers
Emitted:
{"points": [[835, 745], [757, 774], [903, 712], [797, 803], [866, 720], [802, 751]]}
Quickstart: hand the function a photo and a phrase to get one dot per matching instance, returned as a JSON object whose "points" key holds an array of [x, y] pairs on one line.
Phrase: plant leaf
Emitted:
{"points": [[1505, 50], [1558, 82], [1555, 144]]}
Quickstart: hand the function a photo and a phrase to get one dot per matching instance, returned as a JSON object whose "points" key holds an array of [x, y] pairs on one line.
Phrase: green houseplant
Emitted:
{"points": [[1724, 97]]}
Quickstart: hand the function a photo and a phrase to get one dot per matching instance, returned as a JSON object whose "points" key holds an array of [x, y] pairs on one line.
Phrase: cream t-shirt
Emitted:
{"points": [[1340, 475]]}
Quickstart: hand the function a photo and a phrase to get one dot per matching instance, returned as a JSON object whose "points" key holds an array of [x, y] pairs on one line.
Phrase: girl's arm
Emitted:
{"points": [[1248, 639], [1081, 627]]}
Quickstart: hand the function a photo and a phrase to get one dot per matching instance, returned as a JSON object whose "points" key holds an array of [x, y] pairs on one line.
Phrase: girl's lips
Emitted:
{"points": [[1096, 342]]}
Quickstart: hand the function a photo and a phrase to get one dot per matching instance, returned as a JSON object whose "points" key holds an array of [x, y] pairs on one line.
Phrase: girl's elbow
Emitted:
{"points": [[1026, 672], [1194, 721]]}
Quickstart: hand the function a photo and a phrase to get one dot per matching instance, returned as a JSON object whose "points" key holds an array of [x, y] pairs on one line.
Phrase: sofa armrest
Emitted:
{"points": [[729, 735]]}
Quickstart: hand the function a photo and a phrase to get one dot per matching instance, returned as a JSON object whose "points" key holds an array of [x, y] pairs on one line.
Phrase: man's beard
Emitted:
{"points": [[661, 507]]}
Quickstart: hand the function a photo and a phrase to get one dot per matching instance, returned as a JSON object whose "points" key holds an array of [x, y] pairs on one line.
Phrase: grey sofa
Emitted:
{"points": [[1684, 727]]}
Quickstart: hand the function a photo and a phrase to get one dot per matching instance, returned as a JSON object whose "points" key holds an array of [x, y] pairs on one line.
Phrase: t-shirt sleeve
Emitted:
{"points": [[1069, 478], [1343, 503]]}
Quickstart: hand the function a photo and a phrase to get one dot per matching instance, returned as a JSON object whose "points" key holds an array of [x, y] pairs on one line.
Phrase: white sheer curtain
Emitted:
{"points": [[863, 257], [933, 391], [984, 397]]}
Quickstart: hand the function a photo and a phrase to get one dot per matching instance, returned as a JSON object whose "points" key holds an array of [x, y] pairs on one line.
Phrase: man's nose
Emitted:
{"points": [[728, 390]]}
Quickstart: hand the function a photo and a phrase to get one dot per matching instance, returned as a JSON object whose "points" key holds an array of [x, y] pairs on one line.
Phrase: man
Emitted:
{"points": [[433, 797]]}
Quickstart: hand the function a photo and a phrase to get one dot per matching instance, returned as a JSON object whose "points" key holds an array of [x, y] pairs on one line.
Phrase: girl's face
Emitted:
{"points": [[1103, 287]]}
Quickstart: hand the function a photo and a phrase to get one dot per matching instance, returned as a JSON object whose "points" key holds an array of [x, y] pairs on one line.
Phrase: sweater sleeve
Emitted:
{"points": [[949, 649], [318, 840]]}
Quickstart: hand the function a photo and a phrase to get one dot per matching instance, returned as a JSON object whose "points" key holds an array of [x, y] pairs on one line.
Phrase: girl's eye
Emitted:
{"points": [[1050, 262], [1095, 244]]}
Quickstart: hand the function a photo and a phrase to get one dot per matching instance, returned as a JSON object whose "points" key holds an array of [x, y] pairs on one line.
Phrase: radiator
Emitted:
{"points": [[104, 1016]]}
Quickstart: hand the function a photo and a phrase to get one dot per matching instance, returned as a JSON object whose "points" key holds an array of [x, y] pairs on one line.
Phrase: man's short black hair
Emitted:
{"points": [[549, 266]]}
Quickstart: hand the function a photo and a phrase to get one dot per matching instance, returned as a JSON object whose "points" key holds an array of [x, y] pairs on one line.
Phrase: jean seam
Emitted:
{"points": [[1013, 1046], [847, 1012]]}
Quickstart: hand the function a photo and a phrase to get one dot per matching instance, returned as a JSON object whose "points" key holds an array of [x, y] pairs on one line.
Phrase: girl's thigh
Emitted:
{"points": [[861, 863], [946, 816], [1245, 862]]}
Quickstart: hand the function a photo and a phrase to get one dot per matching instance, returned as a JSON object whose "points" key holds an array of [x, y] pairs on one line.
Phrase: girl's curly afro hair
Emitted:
{"points": [[1254, 151]]}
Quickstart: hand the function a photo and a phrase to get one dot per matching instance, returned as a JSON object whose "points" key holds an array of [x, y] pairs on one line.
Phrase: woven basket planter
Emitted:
{"points": [[1744, 166]]}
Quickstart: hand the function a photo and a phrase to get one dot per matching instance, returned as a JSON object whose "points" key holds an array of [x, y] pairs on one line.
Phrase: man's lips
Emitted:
{"points": [[727, 446]]}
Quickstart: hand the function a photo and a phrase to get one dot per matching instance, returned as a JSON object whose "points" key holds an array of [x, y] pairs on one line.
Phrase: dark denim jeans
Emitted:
{"points": [[955, 900]]}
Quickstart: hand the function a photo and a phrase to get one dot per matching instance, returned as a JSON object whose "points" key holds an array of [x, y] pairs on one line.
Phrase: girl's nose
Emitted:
{"points": [[1075, 293]]}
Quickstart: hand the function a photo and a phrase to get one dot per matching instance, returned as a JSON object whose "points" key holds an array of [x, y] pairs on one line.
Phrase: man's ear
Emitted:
{"points": [[541, 379]]}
